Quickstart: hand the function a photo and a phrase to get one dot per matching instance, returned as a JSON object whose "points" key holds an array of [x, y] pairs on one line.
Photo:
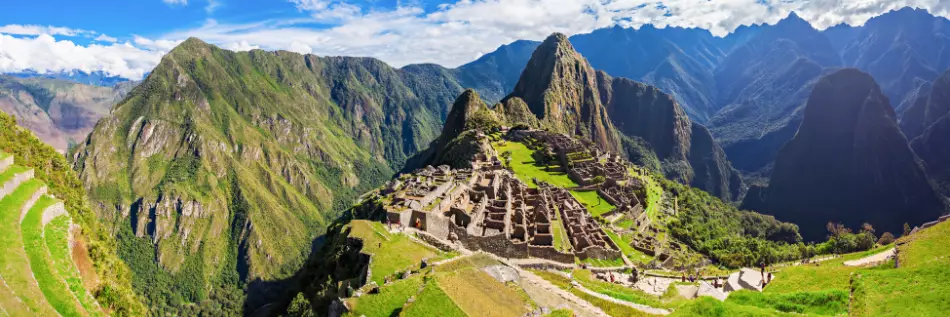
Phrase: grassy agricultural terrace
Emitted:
{"points": [[37, 265]]}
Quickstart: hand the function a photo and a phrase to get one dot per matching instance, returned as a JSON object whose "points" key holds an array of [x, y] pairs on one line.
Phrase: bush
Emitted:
{"points": [[886, 238]]}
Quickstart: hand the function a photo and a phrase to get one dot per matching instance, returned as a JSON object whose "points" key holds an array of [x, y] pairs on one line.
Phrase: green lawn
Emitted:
{"points": [[594, 203], [827, 275], [57, 235], [525, 169], [6, 175], [921, 285], [52, 285], [710, 307], [829, 303], [14, 263], [391, 252], [928, 247], [389, 301], [603, 263], [654, 194], [561, 242], [433, 302], [902, 292]]}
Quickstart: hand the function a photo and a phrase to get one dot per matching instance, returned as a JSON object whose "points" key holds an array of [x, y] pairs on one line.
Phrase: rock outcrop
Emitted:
{"points": [[560, 88], [849, 163]]}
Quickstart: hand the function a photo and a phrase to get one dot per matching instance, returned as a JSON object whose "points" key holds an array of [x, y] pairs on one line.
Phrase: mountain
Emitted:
{"points": [[560, 88], [495, 74], [560, 91], [221, 167], [679, 61], [60, 112], [96, 78], [763, 85], [902, 49], [848, 163], [652, 121], [930, 114]]}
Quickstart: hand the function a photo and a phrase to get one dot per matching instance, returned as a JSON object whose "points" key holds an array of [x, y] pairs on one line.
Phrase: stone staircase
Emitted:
{"points": [[37, 274]]}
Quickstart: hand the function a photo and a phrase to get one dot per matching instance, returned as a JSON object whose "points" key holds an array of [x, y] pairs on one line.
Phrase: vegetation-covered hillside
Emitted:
{"points": [[93, 248]]}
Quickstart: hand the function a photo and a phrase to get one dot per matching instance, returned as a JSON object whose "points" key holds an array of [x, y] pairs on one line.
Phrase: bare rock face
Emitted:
{"points": [[849, 163]]}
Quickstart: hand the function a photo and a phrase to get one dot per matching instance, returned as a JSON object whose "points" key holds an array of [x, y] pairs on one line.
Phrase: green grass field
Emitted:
{"points": [[525, 169], [919, 287], [433, 301], [10, 172], [14, 262], [929, 247], [478, 294], [594, 203], [389, 301], [829, 303], [57, 241], [52, 285], [710, 307], [391, 252], [827, 275], [561, 242]]}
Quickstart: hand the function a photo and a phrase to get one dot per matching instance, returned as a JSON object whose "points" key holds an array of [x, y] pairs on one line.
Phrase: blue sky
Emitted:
{"points": [[128, 37]]}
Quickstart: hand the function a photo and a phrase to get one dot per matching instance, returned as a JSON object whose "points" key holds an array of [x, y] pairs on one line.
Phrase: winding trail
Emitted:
{"points": [[872, 259]]}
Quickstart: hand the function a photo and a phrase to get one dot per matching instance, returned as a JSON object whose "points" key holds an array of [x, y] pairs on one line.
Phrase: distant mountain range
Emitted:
{"points": [[60, 112], [97, 78]]}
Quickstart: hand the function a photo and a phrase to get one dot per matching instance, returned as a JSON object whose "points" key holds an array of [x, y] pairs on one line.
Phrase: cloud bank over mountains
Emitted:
{"points": [[450, 34]]}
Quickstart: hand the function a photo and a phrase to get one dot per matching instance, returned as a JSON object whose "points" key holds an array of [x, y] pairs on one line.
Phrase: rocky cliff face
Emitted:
{"points": [[560, 88], [232, 162], [685, 149], [848, 163], [60, 112]]}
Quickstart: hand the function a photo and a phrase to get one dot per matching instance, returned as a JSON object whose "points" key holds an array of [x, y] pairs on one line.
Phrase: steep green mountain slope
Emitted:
{"points": [[849, 163], [59, 112], [221, 167], [65, 269]]}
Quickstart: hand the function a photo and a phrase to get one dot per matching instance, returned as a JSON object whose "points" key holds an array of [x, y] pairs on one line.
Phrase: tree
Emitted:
{"points": [[886, 238], [836, 230], [906, 229]]}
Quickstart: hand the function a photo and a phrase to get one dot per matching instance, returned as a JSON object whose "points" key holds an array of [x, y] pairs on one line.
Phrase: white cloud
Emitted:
{"points": [[450, 35], [176, 2], [106, 38], [240, 46], [160, 45], [213, 5], [301, 48], [18, 29], [45, 54]]}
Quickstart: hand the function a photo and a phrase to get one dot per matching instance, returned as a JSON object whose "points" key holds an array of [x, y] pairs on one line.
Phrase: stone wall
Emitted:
{"points": [[550, 253], [597, 252], [497, 244], [435, 242], [51, 212], [29, 203], [438, 226], [6, 162], [13, 183]]}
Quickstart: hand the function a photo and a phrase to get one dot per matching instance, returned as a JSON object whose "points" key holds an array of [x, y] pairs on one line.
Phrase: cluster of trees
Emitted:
{"points": [[737, 238]]}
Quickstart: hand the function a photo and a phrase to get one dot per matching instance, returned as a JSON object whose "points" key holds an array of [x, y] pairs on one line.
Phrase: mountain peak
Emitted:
{"points": [[793, 20]]}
